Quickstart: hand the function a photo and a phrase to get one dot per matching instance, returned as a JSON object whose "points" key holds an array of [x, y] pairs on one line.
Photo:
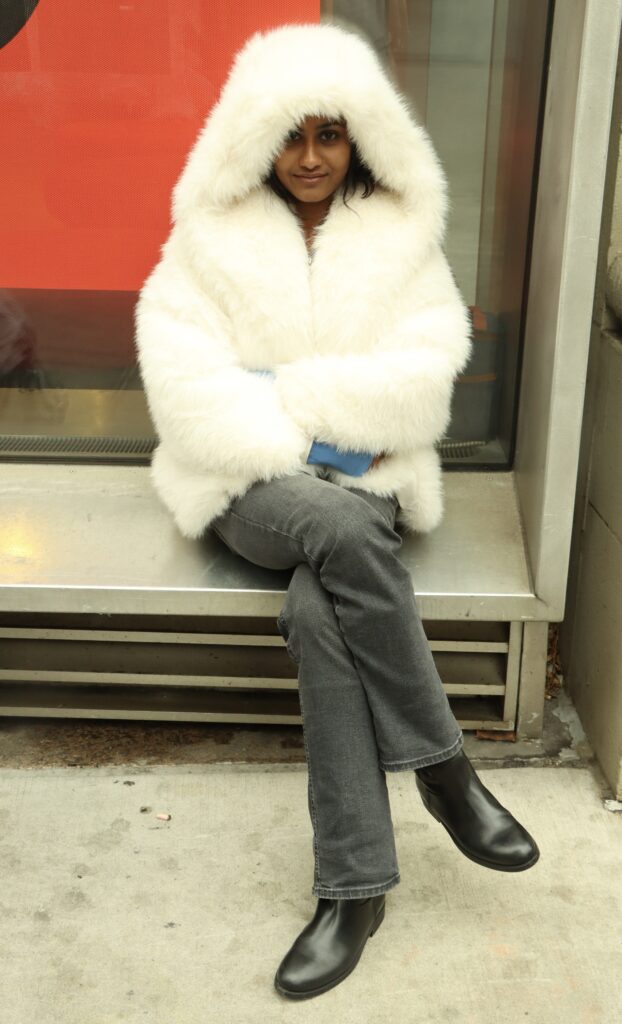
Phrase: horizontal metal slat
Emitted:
{"points": [[195, 705], [146, 679], [226, 639], [128, 636], [208, 682]]}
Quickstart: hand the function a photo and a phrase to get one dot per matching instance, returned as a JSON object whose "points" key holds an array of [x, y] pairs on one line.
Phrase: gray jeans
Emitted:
{"points": [[370, 695]]}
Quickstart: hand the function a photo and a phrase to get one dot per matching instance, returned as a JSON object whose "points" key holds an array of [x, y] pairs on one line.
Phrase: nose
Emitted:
{"points": [[309, 161]]}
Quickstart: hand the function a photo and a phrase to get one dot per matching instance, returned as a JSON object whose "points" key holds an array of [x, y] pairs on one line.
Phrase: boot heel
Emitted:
{"points": [[377, 922], [427, 803]]}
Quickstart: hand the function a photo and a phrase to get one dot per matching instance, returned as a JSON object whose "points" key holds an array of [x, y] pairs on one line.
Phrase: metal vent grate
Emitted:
{"points": [[222, 676], [21, 444], [42, 443], [449, 450]]}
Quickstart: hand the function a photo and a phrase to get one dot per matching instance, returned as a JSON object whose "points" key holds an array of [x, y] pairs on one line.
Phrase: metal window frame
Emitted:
{"points": [[571, 182]]}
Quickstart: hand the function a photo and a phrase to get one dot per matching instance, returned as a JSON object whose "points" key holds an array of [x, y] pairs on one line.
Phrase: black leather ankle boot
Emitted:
{"points": [[329, 947], [480, 827]]}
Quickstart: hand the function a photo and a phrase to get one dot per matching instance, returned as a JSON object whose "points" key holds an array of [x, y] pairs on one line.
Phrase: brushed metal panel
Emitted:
{"points": [[595, 669], [605, 489], [512, 672], [95, 539], [530, 711], [582, 75]]}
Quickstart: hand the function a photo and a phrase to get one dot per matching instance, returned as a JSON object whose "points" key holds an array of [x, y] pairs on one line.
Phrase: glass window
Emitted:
{"points": [[101, 105]]}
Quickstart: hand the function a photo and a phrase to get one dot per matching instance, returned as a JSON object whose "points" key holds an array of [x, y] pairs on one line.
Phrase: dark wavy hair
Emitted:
{"points": [[358, 173]]}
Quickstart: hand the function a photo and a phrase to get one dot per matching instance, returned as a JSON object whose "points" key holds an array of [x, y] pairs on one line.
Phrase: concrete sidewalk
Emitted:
{"points": [[109, 914]]}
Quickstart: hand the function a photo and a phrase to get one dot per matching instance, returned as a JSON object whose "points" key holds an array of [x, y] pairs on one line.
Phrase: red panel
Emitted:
{"points": [[100, 104]]}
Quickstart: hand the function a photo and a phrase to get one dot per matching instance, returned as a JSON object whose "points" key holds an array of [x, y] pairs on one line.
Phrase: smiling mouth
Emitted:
{"points": [[310, 177]]}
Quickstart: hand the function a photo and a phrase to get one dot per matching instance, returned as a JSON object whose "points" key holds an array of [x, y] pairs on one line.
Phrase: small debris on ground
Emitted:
{"points": [[554, 674], [495, 734], [612, 805]]}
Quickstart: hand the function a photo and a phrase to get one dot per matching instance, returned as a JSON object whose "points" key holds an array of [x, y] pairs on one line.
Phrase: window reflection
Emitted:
{"points": [[99, 123]]}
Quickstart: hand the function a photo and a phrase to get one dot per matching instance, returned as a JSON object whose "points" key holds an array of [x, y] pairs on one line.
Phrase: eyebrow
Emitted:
{"points": [[326, 124]]}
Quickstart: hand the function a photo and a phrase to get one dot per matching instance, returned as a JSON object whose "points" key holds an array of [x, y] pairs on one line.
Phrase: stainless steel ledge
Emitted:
{"points": [[95, 539]]}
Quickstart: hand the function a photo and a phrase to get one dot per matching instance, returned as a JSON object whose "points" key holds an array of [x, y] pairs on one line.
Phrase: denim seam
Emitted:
{"points": [[316, 853], [314, 819], [336, 604], [265, 526], [357, 891], [298, 540], [420, 762], [281, 533]]}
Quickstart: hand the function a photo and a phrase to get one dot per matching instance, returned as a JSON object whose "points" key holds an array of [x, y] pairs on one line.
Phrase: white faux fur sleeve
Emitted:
{"points": [[211, 412], [398, 395]]}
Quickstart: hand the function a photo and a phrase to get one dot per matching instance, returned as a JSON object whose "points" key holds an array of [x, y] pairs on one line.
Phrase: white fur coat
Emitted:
{"points": [[365, 342]]}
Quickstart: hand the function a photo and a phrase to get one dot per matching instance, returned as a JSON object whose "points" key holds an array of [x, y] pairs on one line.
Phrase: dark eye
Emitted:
{"points": [[332, 133], [292, 135]]}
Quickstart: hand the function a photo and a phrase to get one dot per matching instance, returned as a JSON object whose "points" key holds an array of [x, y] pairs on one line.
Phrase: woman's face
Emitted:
{"points": [[314, 160]]}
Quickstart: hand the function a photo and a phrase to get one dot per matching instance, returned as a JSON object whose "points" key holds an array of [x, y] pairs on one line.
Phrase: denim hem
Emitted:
{"points": [[358, 892], [423, 762]]}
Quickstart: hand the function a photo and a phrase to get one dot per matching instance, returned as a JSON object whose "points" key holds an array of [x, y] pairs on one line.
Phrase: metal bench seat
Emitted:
{"points": [[107, 611]]}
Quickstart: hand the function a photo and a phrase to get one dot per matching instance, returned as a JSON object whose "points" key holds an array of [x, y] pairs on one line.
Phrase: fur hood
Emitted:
{"points": [[276, 80], [364, 345]]}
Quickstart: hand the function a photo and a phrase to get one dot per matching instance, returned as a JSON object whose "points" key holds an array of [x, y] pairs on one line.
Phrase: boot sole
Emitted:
{"points": [[331, 984], [473, 856]]}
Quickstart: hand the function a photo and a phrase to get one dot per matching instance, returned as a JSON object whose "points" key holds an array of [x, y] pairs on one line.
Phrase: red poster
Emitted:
{"points": [[100, 103]]}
